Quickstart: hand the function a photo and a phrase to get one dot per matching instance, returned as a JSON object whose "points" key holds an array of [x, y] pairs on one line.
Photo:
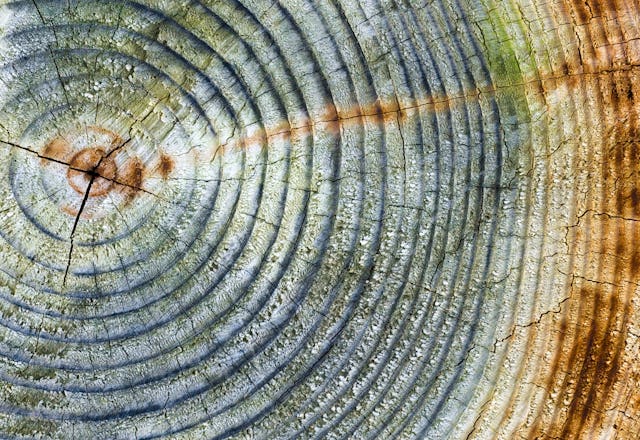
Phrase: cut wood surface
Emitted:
{"points": [[304, 219]]}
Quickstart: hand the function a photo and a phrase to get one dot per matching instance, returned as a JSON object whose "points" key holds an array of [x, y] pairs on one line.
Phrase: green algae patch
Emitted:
{"points": [[505, 44]]}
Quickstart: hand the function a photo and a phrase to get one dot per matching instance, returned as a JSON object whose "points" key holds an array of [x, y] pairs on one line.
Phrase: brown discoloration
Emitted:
{"points": [[590, 378], [332, 120], [589, 352], [603, 36], [126, 180], [588, 365], [58, 149], [98, 168], [129, 178], [165, 165], [91, 164], [70, 210], [132, 173]]}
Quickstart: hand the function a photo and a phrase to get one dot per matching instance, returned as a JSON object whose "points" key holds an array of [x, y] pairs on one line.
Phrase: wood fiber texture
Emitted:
{"points": [[304, 219]]}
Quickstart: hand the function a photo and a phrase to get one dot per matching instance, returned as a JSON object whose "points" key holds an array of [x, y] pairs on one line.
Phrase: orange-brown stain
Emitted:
{"points": [[91, 166], [332, 120], [70, 210], [129, 178], [98, 170], [57, 149], [591, 379], [165, 165]]}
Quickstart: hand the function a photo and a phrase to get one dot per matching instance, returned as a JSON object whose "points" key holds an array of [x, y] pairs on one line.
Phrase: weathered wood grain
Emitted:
{"points": [[319, 219]]}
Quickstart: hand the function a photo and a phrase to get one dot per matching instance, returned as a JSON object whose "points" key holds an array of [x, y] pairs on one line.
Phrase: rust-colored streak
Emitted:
{"points": [[132, 173], [70, 210], [57, 149], [590, 368], [96, 161], [332, 120], [129, 178], [91, 163], [165, 165], [591, 379]]}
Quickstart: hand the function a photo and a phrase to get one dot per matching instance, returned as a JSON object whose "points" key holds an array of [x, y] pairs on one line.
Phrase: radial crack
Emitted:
{"points": [[93, 176], [93, 172]]}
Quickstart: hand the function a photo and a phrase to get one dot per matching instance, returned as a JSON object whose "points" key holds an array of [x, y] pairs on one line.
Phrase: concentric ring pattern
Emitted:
{"points": [[319, 219]]}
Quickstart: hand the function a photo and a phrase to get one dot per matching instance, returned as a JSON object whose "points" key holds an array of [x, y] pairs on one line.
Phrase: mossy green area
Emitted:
{"points": [[502, 34]]}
